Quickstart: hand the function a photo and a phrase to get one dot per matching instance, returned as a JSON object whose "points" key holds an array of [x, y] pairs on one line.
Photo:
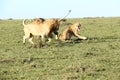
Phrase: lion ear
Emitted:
{"points": [[37, 21], [78, 24]]}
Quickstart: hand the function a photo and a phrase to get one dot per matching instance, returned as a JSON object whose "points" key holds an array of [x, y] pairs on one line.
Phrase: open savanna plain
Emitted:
{"points": [[97, 58]]}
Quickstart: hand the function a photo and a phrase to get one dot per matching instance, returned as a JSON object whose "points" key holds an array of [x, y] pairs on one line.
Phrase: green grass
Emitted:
{"points": [[97, 58]]}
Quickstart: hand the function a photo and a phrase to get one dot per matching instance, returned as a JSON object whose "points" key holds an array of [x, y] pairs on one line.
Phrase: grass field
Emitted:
{"points": [[97, 58]]}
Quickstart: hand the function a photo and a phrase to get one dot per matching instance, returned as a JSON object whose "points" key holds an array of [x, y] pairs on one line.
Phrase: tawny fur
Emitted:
{"points": [[70, 31], [38, 20], [42, 29]]}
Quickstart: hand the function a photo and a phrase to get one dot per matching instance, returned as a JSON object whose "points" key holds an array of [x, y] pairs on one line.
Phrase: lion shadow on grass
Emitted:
{"points": [[90, 40], [68, 43], [101, 40], [58, 43]]}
